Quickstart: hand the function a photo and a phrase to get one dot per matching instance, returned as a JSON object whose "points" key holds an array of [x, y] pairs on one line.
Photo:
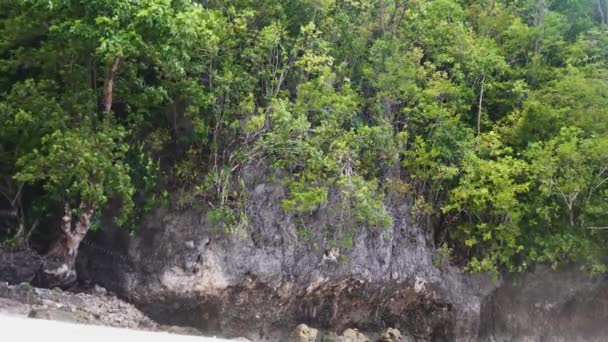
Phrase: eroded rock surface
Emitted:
{"points": [[547, 305], [262, 280]]}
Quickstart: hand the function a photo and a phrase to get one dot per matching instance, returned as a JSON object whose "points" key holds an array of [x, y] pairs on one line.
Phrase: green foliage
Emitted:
{"points": [[304, 198], [569, 174], [221, 215], [82, 165], [365, 200], [231, 221], [487, 198], [491, 117], [60, 140], [145, 175], [443, 256]]}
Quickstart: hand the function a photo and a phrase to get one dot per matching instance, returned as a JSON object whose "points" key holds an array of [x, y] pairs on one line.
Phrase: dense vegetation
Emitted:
{"points": [[490, 115]]}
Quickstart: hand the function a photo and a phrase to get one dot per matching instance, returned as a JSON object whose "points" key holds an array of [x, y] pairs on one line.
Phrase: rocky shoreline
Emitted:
{"points": [[96, 307], [99, 307], [93, 304]]}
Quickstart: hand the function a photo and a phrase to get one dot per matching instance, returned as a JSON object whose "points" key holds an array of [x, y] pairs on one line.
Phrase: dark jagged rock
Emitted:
{"points": [[547, 305], [54, 272], [24, 265], [18, 265]]}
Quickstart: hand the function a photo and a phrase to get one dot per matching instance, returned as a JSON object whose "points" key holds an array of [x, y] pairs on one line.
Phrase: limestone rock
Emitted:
{"points": [[263, 283], [390, 335], [353, 335], [303, 333], [99, 290]]}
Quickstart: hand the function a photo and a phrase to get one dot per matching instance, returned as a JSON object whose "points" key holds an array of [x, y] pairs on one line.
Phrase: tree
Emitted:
{"points": [[28, 112], [63, 137], [569, 174], [489, 116], [81, 168], [487, 199]]}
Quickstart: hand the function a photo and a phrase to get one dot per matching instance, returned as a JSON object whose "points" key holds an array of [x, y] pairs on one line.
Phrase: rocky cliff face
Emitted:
{"points": [[262, 281], [547, 305]]}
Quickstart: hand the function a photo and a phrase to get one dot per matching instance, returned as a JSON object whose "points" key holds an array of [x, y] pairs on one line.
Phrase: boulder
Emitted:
{"points": [[353, 335], [303, 333], [390, 335]]}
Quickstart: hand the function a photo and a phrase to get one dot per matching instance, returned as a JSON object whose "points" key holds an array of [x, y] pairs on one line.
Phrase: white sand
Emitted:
{"points": [[28, 329]]}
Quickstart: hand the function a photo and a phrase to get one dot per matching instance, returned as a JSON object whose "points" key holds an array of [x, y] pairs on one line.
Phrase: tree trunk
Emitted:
{"points": [[539, 21], [571, 211], [58, 268], [108, 85], [600, 10], [483, 80]]}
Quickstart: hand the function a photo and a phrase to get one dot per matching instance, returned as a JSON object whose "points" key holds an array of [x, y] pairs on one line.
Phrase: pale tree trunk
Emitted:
{"points": [[483, 80], [108, 85], [59, 266]]}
